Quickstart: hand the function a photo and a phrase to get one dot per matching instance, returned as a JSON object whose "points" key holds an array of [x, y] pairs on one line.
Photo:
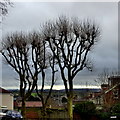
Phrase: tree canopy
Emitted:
{"points": [[70, 41], [4, 6]]}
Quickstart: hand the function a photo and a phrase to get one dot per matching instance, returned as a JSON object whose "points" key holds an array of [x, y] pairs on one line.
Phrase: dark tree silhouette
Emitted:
{"points": [[28, 56], [46, 61], [23, 53], [45, 97], [70, 42]]}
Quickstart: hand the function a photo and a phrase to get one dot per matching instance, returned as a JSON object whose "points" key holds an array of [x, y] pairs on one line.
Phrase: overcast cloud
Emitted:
{"points": [[28, 17]]}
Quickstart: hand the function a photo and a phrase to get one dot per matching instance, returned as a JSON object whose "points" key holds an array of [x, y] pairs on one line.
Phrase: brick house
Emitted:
{"points": [[111, 92]]}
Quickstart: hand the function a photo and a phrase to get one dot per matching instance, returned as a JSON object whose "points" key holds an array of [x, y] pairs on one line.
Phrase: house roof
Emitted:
{"points": [[116, 85], [31, 104], [4, 91], [108, 90]]}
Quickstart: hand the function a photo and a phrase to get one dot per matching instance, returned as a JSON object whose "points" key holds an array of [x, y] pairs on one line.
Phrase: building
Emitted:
{"points": [[6, 99], [30, 104], [110, 93], [113, 80]]}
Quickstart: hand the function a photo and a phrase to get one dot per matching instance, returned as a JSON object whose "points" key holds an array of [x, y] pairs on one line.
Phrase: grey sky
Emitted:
{"points": [[28, 16]]}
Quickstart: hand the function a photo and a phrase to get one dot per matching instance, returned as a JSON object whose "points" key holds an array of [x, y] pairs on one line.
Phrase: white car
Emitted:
{"points": [[2, 114]]}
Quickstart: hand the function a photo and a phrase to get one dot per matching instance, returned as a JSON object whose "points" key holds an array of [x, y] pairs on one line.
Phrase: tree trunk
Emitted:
{"points": [[44, 111], [23, 108], [69, 106]]}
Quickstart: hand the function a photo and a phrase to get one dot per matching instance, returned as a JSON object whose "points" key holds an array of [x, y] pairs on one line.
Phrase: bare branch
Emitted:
{"points": [[4, 6]]}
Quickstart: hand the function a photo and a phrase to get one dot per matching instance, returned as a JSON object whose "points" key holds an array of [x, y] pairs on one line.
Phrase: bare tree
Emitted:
{"points": [[29, 57], [45, 97], [4, 6], [44, 62], [23, 53], [104, 75], [70, 42]]}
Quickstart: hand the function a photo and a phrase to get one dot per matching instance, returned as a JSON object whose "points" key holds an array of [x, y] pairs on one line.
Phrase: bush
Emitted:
{"points": [[116, 108], [49, 111], [103, 115], [85, 108]]}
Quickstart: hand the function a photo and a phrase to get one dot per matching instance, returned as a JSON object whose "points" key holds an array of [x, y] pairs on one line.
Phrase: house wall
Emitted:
{"points": [[7, 100]]}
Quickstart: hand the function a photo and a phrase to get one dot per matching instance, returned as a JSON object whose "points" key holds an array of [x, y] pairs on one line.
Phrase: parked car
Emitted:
{"points": [[12, 115]]}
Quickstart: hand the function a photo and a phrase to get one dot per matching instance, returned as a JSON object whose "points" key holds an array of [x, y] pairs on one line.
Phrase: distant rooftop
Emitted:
{"points": [[4, 91], [31, 104]]}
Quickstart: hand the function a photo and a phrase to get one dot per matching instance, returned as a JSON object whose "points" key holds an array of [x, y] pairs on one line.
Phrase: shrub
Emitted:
{"points": [[116, 108], [85, 108], [103, 115]]}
